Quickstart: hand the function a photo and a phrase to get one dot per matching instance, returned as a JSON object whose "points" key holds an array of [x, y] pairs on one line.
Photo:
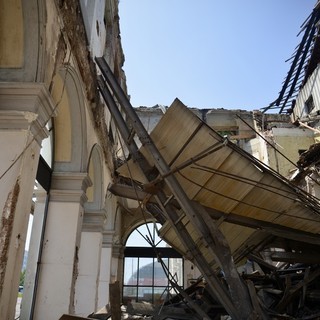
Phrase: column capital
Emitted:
{"points": [[69, 187], [27, 106], [117, 251], [94, 220], [108, 241]]}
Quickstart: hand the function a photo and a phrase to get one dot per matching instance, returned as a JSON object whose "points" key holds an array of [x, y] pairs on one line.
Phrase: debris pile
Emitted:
{"points": [[291, 291]]}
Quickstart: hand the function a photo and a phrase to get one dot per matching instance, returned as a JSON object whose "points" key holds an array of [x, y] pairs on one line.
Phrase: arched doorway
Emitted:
{"points": [[149, 262]]}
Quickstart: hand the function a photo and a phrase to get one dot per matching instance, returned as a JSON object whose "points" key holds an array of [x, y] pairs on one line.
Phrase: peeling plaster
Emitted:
{"points": [[75, 275], [7, 220], [30, 116]]}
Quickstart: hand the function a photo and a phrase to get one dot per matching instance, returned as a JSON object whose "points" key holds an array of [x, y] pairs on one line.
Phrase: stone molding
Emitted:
{"points": [[26, 106], [117, 251], [69, 187], [94, 220], [107, 241]]}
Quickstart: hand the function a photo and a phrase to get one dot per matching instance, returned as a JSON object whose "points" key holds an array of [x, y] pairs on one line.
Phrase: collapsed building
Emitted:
{"points": [[234, 194]]}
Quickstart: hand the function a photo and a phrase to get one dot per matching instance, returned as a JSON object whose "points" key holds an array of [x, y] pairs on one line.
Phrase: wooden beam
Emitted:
{"points": [[272, 228], [129, 192], [114, 293], [295, 257], [255, 301], [291, 291], [262, 263]]}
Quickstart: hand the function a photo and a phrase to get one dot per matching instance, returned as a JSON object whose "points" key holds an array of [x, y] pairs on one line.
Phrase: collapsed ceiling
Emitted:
{"points": [[218, 205]]}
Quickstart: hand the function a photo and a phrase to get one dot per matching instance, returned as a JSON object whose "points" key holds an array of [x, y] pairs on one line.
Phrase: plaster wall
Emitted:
{"points": [[150, 116], [59, 261], [11, 50], [24, 109], [93, 13], [20, 33], [54, 47], [258, 148], [88, 273], [312, 87], [15, 210], [104, 276], [191, 273], [288, 141]]}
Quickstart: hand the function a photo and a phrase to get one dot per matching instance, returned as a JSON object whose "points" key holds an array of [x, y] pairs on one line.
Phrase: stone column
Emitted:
{"points": [[105, 269], [59, 264], [86, 295], [24, 110]]}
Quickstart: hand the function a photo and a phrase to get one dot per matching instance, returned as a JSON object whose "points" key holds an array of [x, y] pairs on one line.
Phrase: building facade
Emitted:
{"points": [[56, 156]]}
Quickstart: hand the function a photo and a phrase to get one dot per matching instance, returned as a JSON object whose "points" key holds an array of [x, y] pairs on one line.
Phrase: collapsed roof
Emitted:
{"points": [[304, 60], [217, 203]]}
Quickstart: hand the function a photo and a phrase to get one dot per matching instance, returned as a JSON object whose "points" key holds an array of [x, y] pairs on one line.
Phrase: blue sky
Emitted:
{"points": [[209, 53]]}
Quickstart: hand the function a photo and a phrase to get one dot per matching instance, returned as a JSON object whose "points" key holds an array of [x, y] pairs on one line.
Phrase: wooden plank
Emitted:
{"points": [[255, 302], [71, 317], [262, 263], [295, 257], [115, 305], [291, 291], [272, 228]]}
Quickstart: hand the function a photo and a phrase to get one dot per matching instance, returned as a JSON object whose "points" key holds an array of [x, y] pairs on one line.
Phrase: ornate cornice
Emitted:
{"points": [[26, 106], [94, 220], [69, 187], [107, 241]]}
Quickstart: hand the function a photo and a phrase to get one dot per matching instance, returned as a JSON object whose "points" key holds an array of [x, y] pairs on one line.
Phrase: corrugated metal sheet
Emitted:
{"points": [[228, 180], [312, 86]]}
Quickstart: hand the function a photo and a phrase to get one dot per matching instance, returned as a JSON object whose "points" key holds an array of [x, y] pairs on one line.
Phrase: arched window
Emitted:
{"points": [[148, 262]]}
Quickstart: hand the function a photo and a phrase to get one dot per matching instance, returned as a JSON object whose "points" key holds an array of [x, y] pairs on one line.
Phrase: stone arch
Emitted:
{"points": [[70, 140], [138, 223], [95, 193], [22, 40]]}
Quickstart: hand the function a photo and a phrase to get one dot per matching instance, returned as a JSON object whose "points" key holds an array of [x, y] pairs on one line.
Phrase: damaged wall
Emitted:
{"points": [[60, 40]]}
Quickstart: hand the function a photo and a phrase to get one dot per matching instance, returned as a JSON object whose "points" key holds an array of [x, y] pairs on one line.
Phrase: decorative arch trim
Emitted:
{"points": [[95, 193], [29, 36], [73, 90]]}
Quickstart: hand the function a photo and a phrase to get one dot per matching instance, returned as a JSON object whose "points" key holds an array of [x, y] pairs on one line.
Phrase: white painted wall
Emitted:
{"points": [[86, 296], [14, 211], [24, 109], [93, 16], [59, 261], [104, 279]]}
